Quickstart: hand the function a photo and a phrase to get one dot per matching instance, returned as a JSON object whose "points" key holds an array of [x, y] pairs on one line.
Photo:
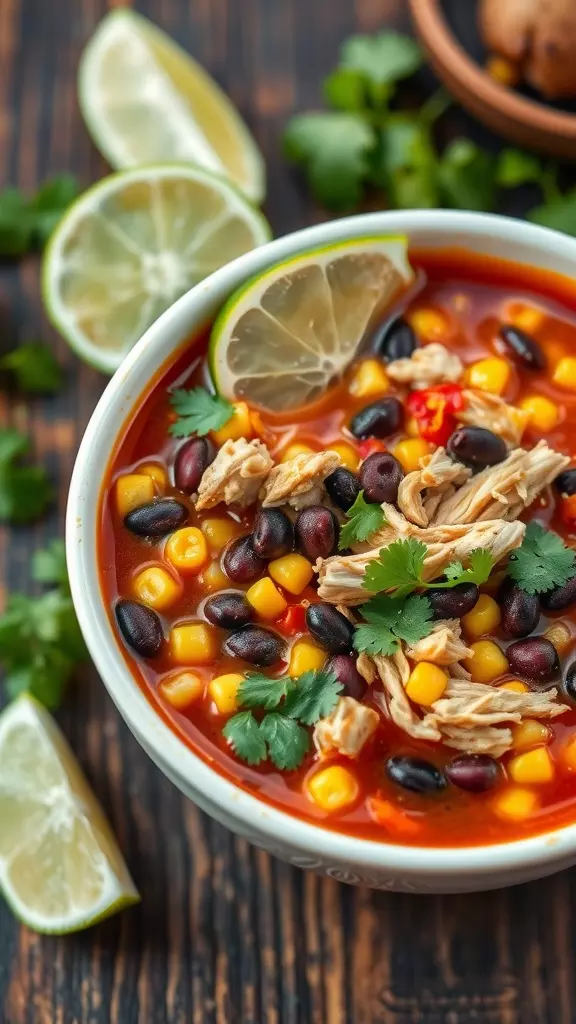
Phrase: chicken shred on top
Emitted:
{"points": [[236, 474], [421, 491], [432, 364], [299, 481], [481, 409], [347, 728]]}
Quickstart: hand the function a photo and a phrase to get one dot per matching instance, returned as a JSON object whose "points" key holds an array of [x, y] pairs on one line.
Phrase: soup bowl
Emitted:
{"points": [[346, 858]]}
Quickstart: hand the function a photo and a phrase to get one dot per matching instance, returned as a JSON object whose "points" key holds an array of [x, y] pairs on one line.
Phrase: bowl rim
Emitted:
{"points": [[272, 825], [444, 46]]}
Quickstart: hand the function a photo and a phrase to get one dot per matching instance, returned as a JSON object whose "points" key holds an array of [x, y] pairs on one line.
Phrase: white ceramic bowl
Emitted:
{"points": [[306, 845]]}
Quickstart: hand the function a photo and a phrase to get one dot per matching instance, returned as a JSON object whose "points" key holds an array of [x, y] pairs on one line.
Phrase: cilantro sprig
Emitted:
{"points": [[391, 619], [198, 412], [364, 518], [542, 562], [400, 569], [25, 490], [35, 368], [288, 705], [27, 222]]}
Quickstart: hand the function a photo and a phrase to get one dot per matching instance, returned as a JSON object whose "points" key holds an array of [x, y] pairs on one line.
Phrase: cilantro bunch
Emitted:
{"points": [[542, 562]]}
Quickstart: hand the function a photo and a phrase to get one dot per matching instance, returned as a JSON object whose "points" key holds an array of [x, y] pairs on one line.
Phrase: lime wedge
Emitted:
{"points": [[145, 100], [285, 336], [60, 867], [131, 245]]}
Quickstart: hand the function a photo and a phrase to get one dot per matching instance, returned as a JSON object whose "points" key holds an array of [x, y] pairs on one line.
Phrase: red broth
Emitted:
{"points": [[475, 294]]}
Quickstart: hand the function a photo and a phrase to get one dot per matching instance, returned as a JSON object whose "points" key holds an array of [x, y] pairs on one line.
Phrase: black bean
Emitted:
{"points": [[570, 681], [477, 447], [240, 562], [140, 627], [535, 659], [415, 774], [559, 598], [273, 533], [520, 611], [344, 668], [330, 628], [157, 518], [566, 482], [454, 603], [316, 531], [473, 772], [380, 477], [229, 610], [379, 419], [525, 349], [343, 488], [256, 645], [394, 340], [192, 458]]}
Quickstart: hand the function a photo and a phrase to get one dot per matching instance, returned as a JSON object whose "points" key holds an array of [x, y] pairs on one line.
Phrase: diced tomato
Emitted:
{"points": [[293, 620], [568, 511], [383, 812], [434, 409], [369, 447]]}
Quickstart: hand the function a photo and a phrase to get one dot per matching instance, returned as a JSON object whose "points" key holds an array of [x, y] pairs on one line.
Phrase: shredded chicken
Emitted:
{"points": [[366, 668], [421, 492], [347, 729], [484, 739], [504, 490], [394, 672], [432, 364], [481, 409], [298, 482], [236, 475], [442, 646]]}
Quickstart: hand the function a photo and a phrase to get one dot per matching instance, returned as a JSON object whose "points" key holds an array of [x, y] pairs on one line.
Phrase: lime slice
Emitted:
{"points": [[284, 337], [131, 245], [60, 867], [145, 100]]}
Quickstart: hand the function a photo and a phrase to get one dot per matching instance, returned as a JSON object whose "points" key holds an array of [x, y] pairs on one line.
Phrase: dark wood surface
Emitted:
{"points": [[225, 933]]}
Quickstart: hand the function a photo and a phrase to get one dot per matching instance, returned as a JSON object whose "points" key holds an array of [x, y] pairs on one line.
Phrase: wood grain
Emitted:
{"points": [[226, 934]]}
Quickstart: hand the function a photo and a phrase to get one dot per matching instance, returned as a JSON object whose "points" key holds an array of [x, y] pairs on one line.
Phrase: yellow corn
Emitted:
{"points": [[182, 690], [483, 618], [187, 550], [133, 490], [411, 427], [530, 733], [213, 577], [305, 657], [427, 683], [239, 425], [157, 474], [490, 374], [503, 71], [559, 634], [410, 452], [218, 532], [369, 379], [193, 643], [534, 767], [348, 454], [293, 572], [296, 449], [266, 599], [565, 373], [224, 692], [527, 318], [568, 754], [516, 685], [156, 588], [544, 414], [333, 788], [487, 663], [515, 803], [429, 324]]}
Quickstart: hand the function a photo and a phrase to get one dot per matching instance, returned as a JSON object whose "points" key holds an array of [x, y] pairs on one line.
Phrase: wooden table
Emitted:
{"points": [[225, 933]]}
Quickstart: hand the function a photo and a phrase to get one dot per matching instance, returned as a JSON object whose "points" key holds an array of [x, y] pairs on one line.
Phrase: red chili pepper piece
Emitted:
{"points": [[434, 409], [369, 447], [293, 620], [568, 511]]}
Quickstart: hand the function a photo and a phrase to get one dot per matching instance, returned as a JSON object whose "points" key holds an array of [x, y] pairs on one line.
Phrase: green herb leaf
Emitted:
{"points": [[333, 149], [25, 224], [243, 734], [12, 444], [16, 223], [49, 564], [515, 167], [364, 519], [259, 691], [559, 214], [35, 368], [314, 696], [467, 176], [287, 741], [345, 89], [198, 411], [49, 204], [382, 60], [45, 676], [405, 163], [399, 568], [390, 619], [542, 562], [481, 565]]}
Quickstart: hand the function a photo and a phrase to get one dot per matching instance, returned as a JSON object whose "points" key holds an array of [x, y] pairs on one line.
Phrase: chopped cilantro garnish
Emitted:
{"points": [[364, 519], [401, 565], [391, 619], [542, 562], [198, 412]]}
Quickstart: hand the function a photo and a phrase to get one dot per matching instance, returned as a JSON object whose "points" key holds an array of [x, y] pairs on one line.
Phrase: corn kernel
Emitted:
{"points": [[411, 427], [157, 474], [296, 449], [410, 452], [333, 788], [369, 379], [565, 373], [182, 690], [568, 754], [133, 490], [239, 425], [527, 318], [515, 685], [224, 692], [218, 533], [293, 572], [483, 617], [348, 454], [530, 733], [266, 599], [544, 414], [187, 550], [534, 767], [427, 683], [490, 375], [515, 804], [487, 663], [305, 657], [213, 577], [560, 636], [156, 588], [429, 324], [503, 71], [193, 643]]}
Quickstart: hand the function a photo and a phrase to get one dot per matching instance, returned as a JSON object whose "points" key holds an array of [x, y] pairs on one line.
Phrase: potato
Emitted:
{"points": [[539, 35]]}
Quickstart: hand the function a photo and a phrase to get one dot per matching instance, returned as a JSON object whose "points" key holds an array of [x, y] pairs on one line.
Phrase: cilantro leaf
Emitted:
{"points": [[345, 89], [16, 224], [514, 167], [559, 214], [542, 562], [49, 564], [399, 568], [481, 565], [25, 224], [414, 622], [364, 519], [390, 619], [287, 741], [25, 491], [198, 412], [243, 734], [467, 176], [35, 368], [50, 202], [333, 148], [12, 444], [259, 691], [314, 696], [382, 60], [404, 163]]}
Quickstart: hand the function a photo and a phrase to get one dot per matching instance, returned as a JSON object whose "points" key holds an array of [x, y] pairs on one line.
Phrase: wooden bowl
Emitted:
{"points": [[520, 119]]}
